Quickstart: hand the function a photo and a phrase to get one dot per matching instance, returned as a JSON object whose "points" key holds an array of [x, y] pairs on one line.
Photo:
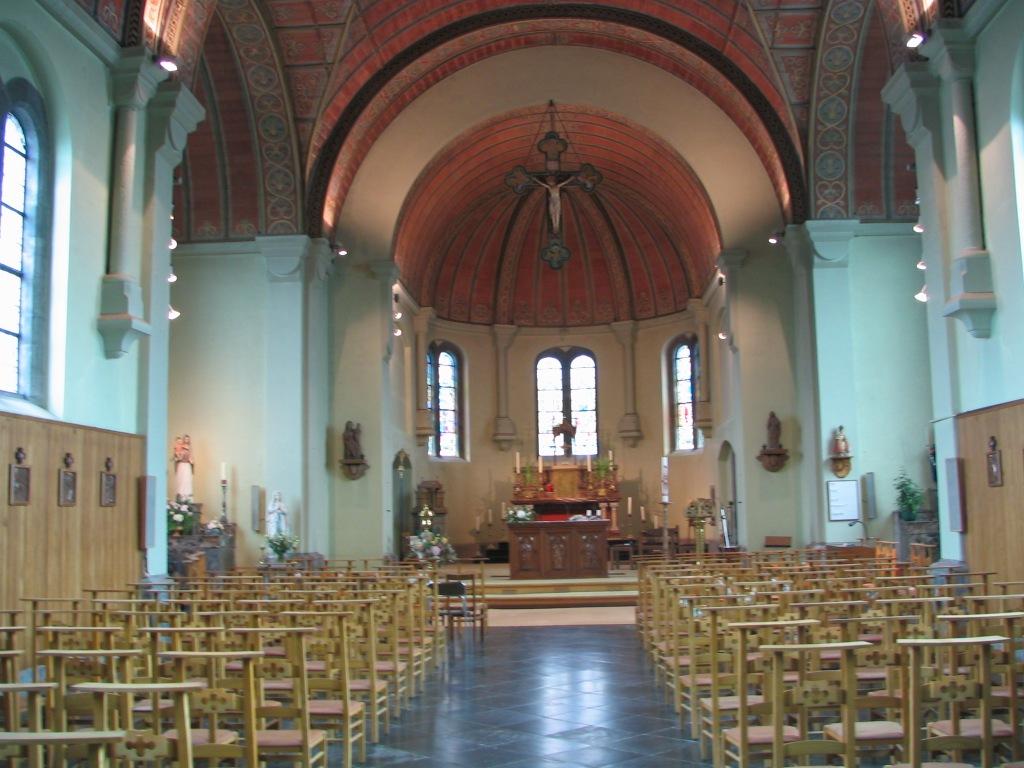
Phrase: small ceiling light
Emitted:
{"points": [[398, 312], [342, 252], [171, 277], [921, 264], [172, 244], [916, 39], [723, 335], [922, 295], [172, 313], [919, 227], [398, 331], [773, 239], [167, 63]]}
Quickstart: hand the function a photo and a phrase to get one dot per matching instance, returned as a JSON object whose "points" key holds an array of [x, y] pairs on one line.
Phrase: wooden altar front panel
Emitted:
{"points": [[558, 550]]}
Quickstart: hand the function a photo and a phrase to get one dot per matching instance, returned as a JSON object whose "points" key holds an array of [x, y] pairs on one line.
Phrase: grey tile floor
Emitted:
{"points": [[540, 697]]}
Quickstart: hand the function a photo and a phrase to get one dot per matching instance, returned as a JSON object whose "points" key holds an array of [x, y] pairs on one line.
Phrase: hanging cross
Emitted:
{"points": [[553, 179]]}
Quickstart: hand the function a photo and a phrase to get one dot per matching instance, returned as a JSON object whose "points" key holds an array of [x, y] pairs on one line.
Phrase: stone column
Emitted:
{"points": [[504, 428], [172, 115], [703, 415], [914, 94], [629, 425], [134, 81], [971, 297], [424, 416]]}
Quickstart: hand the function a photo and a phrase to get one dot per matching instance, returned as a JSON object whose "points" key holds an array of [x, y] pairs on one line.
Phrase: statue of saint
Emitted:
{"points": [[183, 467], [774, 432], [277, 515], [351, 438], [840, 445]]}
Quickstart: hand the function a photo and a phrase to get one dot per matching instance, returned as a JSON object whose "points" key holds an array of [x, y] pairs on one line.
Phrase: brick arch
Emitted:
{"points": [[363, 89]]}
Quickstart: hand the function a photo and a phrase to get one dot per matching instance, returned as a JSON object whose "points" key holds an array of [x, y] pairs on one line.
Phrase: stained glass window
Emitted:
{"points": [[567, 390], [683, 361], [13, 213], [444, 397]]}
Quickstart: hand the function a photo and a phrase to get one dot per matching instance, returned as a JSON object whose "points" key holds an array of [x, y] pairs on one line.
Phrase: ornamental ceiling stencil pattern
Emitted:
{"points": [[271, 115], [830, 158]]}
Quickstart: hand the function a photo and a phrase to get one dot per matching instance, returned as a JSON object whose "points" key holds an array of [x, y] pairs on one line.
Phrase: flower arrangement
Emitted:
{"points": [[520, 514], [213, 527], [431, 545], [182, 515], [282, 543]]}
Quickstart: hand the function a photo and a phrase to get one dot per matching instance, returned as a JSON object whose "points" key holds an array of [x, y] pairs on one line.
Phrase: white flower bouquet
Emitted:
{"points": [[520, 514]]}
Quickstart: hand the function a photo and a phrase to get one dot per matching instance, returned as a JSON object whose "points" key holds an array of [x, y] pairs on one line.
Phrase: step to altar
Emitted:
{"points": [[616, 590]]}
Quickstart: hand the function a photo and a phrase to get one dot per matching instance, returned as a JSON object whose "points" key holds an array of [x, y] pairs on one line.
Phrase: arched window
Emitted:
{"points": [[444, 394], [683, 389], [567, 391], [23, 270]]}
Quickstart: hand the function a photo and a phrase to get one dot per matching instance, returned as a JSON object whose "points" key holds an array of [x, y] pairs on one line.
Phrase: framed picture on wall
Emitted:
{"points": [[108, 489], [67, 488], [994, 464], [19, 486]]}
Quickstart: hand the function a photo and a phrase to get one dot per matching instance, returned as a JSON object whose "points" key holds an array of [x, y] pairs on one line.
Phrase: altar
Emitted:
{"points": [[559, 491], [558, 549]]}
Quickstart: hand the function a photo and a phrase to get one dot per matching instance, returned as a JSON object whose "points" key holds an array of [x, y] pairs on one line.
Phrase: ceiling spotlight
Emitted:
{"points": [[773, 239], [919, 227], [167, 63], [398, 331], [723, 335], [342, 252], [172, 244], [398, 312], [172, 313], [171, 277], [916, 39], [922, 295], [921, 264]]}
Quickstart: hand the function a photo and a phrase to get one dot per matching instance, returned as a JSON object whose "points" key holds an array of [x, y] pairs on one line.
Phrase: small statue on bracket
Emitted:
{"points": [[773, 455], [353, 465]]}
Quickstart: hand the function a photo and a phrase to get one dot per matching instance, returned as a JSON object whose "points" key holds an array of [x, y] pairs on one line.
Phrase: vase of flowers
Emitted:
{"points": [[281, 544], [182, 516], [431, 547], [520, 513]]}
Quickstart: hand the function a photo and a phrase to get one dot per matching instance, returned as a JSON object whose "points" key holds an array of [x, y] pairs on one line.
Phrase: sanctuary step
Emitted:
{"points": [[562, 593]]}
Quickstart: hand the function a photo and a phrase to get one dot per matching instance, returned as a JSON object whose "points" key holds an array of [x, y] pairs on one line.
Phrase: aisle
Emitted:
{"points": [[540, 697]]}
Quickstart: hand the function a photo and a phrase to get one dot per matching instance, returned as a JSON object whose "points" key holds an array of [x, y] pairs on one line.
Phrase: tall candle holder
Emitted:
{"points": [[224, 500], [698, 514], [664, 529]]}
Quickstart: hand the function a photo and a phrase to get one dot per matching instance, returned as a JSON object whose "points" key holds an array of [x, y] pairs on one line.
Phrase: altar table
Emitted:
{"points": [[558, 549]]}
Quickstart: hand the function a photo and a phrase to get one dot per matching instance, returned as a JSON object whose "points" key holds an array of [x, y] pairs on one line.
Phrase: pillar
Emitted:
{"points": [[504, 428], [629, 425], [424, 415]]}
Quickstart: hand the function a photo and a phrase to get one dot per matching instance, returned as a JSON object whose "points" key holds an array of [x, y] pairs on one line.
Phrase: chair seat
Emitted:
{"points": [[761, 734], [201, 736], [701, 679], [334, 707], [1004, 693], [943, 765], [970, 726], [897, 694], [730, 703], [147, 706], [287, 739], [390, 666], [867, 730], [363, 685], [871, 674], [278, 685]]}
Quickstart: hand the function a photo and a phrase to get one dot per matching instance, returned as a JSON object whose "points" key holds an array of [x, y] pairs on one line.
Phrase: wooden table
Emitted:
{"points": [[558, 549]]}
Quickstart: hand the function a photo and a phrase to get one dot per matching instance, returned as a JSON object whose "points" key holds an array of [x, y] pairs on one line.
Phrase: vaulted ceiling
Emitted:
{"points": [[297, 93]]}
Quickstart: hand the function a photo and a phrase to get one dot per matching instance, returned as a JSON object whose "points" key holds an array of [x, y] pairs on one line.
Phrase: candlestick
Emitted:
{"points": [[588, 463], [517, 462], [223, 472], [629, 506], [540, 464], [643, 514], [503, 510], [490, 515], [611, 457]]}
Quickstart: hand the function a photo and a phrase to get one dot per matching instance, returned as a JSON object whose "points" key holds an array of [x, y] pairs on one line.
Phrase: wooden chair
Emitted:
{"points": [[332, 704], [463, 601], [652, 542]]}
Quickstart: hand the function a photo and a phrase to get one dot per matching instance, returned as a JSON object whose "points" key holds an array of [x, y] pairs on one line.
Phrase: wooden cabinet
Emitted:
{"points": [[558, 550]]}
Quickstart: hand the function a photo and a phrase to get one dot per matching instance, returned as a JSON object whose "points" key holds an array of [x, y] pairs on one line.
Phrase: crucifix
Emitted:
{"points": [[553, 179]]}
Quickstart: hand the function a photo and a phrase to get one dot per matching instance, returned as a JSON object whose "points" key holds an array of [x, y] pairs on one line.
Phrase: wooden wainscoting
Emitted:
{"points": [[994, 515], [52, 550]]}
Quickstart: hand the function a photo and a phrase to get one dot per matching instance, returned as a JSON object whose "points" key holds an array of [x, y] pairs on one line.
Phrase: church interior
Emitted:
{"points": [[629, 293]]}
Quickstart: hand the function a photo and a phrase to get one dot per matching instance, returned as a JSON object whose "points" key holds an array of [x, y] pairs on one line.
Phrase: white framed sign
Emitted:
{"points": [[843, 500]]}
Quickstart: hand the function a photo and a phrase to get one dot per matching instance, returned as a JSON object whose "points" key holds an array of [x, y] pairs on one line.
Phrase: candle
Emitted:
{"points": [[588, 464], [476, 521], [223, 472], [517, 462], [490, 515], [503, 510], [611, 457], [629, 507], [643, 513], [540, 463]]}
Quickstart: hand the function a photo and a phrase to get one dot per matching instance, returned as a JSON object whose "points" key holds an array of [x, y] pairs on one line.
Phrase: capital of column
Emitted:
{"points": [[950, 50], [913, 94], [422, 320], [173, 115], [134, 78], [503, 336], [625, 332], [285, 256], [830, 240]]}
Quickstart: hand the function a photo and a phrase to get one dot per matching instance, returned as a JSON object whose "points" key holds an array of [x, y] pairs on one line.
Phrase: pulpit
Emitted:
{"points": [[216, 549], [558, 549]]}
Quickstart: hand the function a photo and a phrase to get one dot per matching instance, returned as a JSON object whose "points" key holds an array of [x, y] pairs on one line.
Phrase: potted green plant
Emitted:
{"points": [[908, 496]]}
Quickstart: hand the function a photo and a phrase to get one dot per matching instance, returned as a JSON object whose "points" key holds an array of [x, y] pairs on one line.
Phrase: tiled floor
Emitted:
{"points": [[540, 697]]}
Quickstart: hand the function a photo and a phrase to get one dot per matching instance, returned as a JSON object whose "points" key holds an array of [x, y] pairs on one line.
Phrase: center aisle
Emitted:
{"points": [[536, 697]]}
